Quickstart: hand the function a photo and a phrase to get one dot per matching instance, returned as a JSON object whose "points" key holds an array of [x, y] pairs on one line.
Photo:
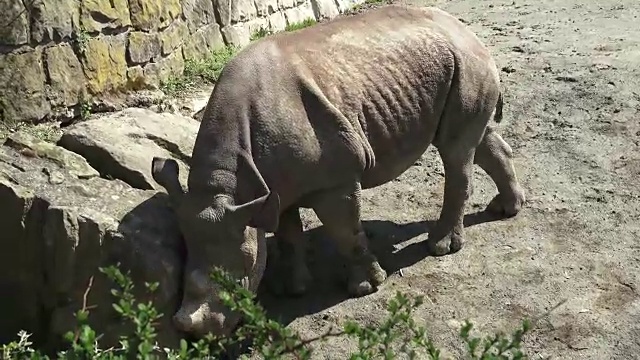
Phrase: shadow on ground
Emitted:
{"points": [[328, 268]]}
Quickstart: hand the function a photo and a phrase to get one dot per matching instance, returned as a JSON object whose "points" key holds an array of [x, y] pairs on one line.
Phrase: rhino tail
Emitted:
{"points": [[497, 117]]}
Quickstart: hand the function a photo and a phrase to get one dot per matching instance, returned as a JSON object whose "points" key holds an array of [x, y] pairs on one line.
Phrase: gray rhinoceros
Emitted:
{"points": [[309, 119]]}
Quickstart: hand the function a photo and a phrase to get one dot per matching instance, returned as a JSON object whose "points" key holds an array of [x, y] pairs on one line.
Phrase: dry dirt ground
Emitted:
{"points": [[571, 74]]}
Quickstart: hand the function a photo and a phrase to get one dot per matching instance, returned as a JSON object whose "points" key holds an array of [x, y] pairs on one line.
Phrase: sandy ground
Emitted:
{"points": [[571, 73]]}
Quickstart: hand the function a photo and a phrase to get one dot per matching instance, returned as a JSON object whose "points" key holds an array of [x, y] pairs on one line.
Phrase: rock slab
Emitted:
{"points": [[56, 235], [123, 144]]}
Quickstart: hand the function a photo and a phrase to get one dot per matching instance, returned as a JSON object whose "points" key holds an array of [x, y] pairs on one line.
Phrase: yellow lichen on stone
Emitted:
{"points": [[115, 12], [105, 65], [152, 14]]}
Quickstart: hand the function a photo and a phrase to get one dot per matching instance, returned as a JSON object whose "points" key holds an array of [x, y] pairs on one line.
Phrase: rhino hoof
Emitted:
{"points": [[507, 206], [449, 244], [366, 281]]}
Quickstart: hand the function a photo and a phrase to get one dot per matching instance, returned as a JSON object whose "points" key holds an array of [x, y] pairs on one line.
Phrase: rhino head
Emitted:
{"points": [[219, 233]]}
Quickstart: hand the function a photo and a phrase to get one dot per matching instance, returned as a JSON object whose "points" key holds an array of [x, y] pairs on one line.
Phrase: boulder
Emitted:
{"points": [[75, 164], [57, 234], [122, 145]]}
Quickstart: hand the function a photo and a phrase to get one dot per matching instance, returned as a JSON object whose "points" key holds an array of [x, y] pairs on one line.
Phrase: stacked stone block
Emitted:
{"points": [[57, 54]]}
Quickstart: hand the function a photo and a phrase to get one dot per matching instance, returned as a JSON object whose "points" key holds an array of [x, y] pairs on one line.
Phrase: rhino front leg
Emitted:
{"points": [[339, 212], [290, 265], [494, 156]]}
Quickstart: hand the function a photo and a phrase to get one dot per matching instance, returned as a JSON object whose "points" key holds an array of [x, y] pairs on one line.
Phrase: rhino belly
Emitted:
{"points": [[395, 160]]}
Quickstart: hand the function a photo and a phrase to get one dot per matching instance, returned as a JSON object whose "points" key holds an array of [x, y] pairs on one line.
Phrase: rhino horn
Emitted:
{"points": [[165, 172]]}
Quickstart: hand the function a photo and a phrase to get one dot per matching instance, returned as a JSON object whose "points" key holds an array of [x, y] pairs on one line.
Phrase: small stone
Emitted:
{"points": [[142, 46], [158, 72]]}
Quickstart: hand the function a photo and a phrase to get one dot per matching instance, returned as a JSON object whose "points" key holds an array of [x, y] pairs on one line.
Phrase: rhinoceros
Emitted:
{"points": [[310, 118]]}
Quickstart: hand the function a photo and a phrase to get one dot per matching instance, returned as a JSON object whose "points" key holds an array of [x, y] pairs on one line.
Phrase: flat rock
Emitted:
{"points": [[123, 144], [55, 236], [74, 163]]}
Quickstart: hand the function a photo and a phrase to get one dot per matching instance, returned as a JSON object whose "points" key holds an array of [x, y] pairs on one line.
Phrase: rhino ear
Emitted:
{"points": [[165, 172]]}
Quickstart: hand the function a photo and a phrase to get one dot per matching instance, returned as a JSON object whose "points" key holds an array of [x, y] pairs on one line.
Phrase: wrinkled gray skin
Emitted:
{"points": [[308, 119]]}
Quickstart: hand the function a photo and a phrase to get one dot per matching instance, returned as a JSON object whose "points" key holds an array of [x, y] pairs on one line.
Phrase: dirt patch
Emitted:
{"points": [[571, 74]]}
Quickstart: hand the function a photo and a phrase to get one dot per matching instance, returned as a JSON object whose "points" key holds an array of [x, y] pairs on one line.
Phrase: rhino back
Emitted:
{"points": [[388, 73]]}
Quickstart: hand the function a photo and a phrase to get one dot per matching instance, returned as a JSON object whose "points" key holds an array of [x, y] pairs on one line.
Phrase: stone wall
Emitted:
{"points": [[57, 54]]}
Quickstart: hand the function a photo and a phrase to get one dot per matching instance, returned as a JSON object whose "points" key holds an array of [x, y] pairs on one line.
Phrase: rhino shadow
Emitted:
{"points": [[328, 268]]}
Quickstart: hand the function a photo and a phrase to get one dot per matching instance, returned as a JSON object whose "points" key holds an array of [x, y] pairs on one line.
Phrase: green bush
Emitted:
{"points": [[397, 335]]}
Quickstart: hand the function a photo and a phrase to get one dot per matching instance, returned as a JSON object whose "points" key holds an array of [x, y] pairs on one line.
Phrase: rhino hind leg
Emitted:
{"points": [[447, 235], [339, 212], [291, 272], [494, 156]]}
